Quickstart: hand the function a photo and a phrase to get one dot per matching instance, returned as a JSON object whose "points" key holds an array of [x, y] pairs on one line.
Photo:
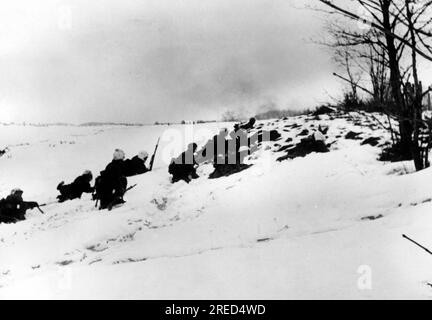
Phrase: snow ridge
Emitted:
{"points": [[294, 229]]}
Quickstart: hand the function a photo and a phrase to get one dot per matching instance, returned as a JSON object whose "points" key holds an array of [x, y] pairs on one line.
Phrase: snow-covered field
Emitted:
{"points": [[279, 230]]}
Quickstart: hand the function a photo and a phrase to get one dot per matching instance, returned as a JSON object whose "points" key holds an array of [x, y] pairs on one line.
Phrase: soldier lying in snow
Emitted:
{"points": [[184, 166], [136, 165], [245, 126], [213, 148], [232, 160], [228, 155], [77, 188], [13, 208]]}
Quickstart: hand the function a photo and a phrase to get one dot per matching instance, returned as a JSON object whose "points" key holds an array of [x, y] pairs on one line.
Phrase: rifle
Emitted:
{"points": [[48, 203], [153, 156], [110, 205], [131, 187], [40, 210], [417, 244], [31, 205]]}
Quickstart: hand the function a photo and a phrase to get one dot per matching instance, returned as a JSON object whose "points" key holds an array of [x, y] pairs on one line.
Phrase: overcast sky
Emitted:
{"points": [[165, 60]]}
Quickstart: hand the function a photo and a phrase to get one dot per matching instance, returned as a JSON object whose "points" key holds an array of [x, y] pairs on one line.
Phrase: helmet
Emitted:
{"points": [[143, 155], [16, 191], [89, 175], [118, 154]]}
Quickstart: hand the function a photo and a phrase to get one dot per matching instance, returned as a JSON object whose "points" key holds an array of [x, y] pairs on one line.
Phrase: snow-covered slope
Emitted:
{"points": [[302, 228]]}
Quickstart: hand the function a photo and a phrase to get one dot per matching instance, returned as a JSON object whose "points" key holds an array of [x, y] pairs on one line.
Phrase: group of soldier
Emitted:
{"points": [[111, 185], [109, 188], [226, 154]]}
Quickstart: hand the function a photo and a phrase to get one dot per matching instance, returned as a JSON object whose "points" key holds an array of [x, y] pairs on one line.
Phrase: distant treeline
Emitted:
{"points": [[64, 124], [157, 123], [272, 112], [94, 124], [278, 114], [36, 124]]}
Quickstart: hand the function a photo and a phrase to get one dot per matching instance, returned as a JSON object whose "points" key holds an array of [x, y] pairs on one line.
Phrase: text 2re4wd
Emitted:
{"points": [[216, 309]]}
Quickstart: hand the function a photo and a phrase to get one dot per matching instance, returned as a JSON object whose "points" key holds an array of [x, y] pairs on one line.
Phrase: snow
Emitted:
{"points": [[278, 230]]}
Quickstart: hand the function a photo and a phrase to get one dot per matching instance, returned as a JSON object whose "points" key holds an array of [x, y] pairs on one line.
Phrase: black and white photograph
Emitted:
{"points": [[236, 150]]}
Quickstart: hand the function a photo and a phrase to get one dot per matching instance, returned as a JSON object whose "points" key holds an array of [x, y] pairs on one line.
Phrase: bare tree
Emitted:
{"points": [[343, 56], [395, 26], [363, 61]]}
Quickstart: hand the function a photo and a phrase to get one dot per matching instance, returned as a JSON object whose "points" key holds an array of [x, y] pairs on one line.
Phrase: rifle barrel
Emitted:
{"points": [[154, 154], [417, 244], [41, 211], [48, 203]]}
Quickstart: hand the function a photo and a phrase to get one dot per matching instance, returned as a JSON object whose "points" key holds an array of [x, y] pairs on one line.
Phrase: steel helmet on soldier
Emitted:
{"points": [[118, 154], [143, 155], [89, 174], [16, 191]]}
